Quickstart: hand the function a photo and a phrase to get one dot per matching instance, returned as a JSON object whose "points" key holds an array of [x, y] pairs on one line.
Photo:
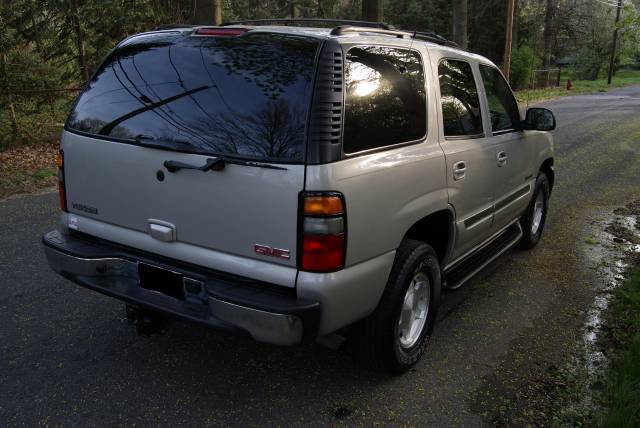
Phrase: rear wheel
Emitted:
{"points": [[396, 335], [533, 220]]}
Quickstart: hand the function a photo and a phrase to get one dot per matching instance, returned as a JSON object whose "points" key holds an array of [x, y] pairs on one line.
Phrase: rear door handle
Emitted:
{"points": [[459, 170], [502, 158]]}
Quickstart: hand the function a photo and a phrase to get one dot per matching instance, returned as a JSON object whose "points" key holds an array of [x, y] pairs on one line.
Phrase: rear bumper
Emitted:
{"points": [[267, 313]]}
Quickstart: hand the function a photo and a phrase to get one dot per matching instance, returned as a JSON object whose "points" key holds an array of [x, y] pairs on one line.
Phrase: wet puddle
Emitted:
{"points": [[612, 239]]}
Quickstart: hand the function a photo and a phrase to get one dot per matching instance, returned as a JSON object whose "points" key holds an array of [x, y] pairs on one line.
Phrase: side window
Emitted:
{"points": [[502, 104], [385, 98], [460, 102]]}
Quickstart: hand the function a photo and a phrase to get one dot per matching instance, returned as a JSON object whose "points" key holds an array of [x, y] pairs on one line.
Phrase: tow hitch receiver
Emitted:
{"points": [[147, 322]]}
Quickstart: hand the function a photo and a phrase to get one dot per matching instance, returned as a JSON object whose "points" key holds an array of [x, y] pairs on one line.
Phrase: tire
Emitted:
{"points": [[378, 343], [532, 226]]}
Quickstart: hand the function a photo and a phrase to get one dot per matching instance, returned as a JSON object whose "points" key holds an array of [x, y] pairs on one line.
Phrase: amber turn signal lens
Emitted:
{"points": [[323, 205], [59, 160]]}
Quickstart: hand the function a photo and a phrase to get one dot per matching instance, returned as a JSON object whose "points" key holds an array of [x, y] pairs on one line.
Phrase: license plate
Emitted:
{"points": [[161, 280]]}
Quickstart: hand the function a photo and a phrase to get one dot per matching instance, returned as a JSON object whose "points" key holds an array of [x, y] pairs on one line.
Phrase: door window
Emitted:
{"points": [[385, 100], [459, 98], [503, 108]]}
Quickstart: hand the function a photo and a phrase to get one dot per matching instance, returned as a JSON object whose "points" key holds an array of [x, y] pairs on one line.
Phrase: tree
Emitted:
{"points": [[460, 23], [548, 31]]}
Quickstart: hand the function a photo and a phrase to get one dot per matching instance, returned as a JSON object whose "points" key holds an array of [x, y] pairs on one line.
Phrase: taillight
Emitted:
{"points": [[323, 232], [220, 32], [61, 186]]}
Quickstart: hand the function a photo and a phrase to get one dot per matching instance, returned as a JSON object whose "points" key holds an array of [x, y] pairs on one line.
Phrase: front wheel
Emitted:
{"points": [[396, 335], [533, 220]]}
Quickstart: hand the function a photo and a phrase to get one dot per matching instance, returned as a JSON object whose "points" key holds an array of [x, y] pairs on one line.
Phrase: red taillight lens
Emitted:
{"points": [[322, 253], [61, 185], [323, 232], [221, 32]]}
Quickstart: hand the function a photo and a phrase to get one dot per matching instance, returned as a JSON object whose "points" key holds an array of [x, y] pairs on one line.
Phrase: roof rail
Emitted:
{"points": [[173, 26], [432, 36], [428, 36], [301, 21]]}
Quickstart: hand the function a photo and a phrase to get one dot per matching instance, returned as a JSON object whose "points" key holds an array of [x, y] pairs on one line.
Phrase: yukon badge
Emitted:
{"points": [[272, 252], [86, 208]]}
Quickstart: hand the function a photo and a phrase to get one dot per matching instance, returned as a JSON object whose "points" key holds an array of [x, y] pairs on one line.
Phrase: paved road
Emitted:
{"points": [[68, 357]]}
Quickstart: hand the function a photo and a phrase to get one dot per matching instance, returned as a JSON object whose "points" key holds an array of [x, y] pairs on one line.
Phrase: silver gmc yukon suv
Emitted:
{"points": [[295, 183]]}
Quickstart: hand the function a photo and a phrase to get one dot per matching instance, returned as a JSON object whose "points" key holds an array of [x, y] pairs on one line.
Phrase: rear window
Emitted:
{"points": [[244, 96]]}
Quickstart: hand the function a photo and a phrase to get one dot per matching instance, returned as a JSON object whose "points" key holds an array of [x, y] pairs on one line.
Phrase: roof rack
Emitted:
{"points": [[302, 21], [428, 36], [173, 26]]}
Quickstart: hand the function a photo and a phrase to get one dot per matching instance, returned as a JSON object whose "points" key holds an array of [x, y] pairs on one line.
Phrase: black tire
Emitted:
{"points": [[530, 238], [376, 342]]}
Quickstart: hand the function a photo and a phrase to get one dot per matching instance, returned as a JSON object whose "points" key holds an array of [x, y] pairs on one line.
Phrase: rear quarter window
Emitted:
{"points": [[245, 96], [385, 98]]}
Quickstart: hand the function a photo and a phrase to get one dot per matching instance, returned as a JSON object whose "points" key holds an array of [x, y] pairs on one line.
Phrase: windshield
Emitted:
{"points": [[244, 96]]}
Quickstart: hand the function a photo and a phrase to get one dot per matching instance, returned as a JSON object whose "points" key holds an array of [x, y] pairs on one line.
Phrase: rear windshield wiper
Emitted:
{"points": [[212, 164], [216, 164]]}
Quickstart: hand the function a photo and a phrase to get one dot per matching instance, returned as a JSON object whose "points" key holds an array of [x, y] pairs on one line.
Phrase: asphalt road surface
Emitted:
{"points": [[68, 357]]}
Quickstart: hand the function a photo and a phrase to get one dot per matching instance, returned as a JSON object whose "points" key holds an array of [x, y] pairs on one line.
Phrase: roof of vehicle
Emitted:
{"points": [[374, 31]]}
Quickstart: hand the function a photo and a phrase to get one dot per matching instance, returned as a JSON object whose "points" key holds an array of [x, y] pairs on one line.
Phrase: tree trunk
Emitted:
{"points": [[217, 12], [207, 12], [12, 110], [80, 45], [460, 12], [548, 33], [372, 10], [516, 22]]}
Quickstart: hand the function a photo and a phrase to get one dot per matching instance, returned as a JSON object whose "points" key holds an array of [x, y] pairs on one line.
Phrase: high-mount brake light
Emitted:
{"points": [[323, 232], [221, 32], [61, 186]]}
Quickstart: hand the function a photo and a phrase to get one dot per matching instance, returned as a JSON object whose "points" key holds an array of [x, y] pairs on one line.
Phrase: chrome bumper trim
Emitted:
{"points": [[274, 328]]}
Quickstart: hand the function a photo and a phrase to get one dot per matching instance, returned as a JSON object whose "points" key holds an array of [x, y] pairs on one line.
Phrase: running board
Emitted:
{"points": [[466, 268]]}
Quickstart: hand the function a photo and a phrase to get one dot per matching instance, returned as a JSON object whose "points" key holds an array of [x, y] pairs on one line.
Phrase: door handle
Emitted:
{"points": [[502, 158], [459, 170]]}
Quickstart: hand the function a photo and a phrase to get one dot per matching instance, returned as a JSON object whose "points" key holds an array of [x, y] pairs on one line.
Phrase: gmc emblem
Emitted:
{"points": [[272, 252]]}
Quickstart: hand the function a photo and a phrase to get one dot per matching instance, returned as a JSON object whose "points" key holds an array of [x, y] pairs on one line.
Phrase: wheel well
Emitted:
{"points": [[547, 168], [435, 230]]}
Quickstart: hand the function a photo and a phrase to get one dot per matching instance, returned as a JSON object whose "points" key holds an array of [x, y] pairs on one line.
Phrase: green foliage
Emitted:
{"points": [[523, 62], [623, 78], [622, 389]]}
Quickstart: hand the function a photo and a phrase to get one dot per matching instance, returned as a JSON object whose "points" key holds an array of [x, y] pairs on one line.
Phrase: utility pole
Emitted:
{"points": [[506, 68], [612, 63]]}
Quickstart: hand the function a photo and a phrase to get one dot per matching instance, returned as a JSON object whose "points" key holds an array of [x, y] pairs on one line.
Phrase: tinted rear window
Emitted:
{"points": [[386, 101], [244, 96]]}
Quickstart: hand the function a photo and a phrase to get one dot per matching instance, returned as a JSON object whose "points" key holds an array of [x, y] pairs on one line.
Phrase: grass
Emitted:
{"points": [[621, 79], [622, 386], [43, 173]]}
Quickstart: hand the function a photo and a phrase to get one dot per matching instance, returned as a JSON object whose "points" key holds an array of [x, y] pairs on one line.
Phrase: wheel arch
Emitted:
{"points": [[547, 168], [437, 230]]}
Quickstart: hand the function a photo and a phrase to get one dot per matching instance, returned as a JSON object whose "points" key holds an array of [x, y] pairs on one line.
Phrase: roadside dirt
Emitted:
{"points": [[27, 169], [552, 377]]}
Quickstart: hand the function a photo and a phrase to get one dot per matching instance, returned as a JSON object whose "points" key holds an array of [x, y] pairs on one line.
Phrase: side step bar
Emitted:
{"points": [[466, 268]]}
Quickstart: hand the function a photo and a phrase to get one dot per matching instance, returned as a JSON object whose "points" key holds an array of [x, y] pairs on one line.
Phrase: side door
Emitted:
{"points": [[469, 154], [513, 152]]}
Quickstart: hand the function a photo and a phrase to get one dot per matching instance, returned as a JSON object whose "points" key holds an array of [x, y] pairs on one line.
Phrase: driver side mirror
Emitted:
{"points": [[539, 119]]}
